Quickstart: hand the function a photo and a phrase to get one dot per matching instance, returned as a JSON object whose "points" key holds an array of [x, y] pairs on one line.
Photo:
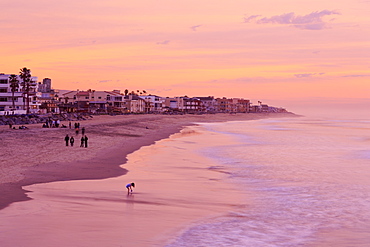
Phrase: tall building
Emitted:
{"points": [[45, 86]]}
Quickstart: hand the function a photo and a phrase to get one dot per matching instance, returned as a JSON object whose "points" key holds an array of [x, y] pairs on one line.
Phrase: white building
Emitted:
{"points": [[6, 95], [154, 103]]}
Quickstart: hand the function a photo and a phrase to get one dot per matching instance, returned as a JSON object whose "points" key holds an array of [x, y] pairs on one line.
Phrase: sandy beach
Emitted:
{"points": [[39, 155]]}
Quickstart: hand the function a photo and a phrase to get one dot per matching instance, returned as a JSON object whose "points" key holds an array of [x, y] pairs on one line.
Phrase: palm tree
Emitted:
{"points": [[126, 92], [25, 75], [14, 85]]}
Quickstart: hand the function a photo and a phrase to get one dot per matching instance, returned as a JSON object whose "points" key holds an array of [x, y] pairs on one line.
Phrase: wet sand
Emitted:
{"points": [[42, 157]]}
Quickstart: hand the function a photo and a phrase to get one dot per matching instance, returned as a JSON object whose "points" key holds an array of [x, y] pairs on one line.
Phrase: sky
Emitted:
{"points": [[288, 53]]}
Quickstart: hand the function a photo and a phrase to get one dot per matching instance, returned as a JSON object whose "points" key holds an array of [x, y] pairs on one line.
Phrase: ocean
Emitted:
{"points": [[306, 182], [300, 181]]}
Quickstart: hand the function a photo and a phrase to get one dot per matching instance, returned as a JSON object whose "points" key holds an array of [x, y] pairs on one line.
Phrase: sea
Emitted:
{"points": [[305, 180], [274, 182]]}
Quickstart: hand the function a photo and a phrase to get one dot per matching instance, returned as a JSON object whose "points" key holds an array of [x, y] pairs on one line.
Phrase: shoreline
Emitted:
{"points": [[43, 156]]}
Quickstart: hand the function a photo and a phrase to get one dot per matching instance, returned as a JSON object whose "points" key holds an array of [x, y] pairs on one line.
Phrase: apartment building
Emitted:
{"points": [[6, 96]]}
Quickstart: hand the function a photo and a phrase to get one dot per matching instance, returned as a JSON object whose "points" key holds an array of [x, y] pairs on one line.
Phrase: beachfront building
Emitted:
{"points": [[232, 105], [154, 103], [19, 96], [264, 108], [208, 104], [173, 104], [135, 104], [93, 101], [222, 105], [191, 105], [239, 105], [182, 104]]}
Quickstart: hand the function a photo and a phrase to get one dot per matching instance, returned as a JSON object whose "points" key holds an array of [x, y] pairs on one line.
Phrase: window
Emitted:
{"points": [[87, 97], [108, 97], [3, 90], [3, 99], [3, 81], [99, 97]]}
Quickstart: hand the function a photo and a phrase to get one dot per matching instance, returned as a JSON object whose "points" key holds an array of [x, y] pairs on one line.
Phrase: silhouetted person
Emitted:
{"points": [[86, 141], [82, 141], [83, 130], [72, 140], [66, 139]]}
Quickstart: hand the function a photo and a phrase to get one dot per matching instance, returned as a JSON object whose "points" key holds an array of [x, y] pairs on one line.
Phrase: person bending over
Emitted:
{"points": [[129, 187]]}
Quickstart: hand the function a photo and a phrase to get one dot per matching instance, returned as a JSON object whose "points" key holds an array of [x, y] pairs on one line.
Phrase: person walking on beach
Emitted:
{"points": [[86, 141], [72, 140], [66, 139], [129, 187], [82, 141]]}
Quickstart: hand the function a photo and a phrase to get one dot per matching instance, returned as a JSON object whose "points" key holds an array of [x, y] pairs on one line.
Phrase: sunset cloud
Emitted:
{"points": [[194, 28], [356, 76], [166, 42], [312, 21], [307, 75]]}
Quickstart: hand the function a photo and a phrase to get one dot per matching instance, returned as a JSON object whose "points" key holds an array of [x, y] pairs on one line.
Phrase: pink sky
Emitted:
{"points": [[288, 50]]}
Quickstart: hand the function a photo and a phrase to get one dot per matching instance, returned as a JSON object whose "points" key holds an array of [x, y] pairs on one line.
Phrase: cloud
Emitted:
{"points": [[356, 76], [194, 28], [307, 75], [166, 42], [250, 18], [104, 81], [312, 21]]}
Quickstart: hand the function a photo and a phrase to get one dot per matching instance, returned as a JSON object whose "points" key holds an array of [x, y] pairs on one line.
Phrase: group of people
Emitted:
{"points": [[77, 128], [52, 124], [22, 127], [71, 140]]}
